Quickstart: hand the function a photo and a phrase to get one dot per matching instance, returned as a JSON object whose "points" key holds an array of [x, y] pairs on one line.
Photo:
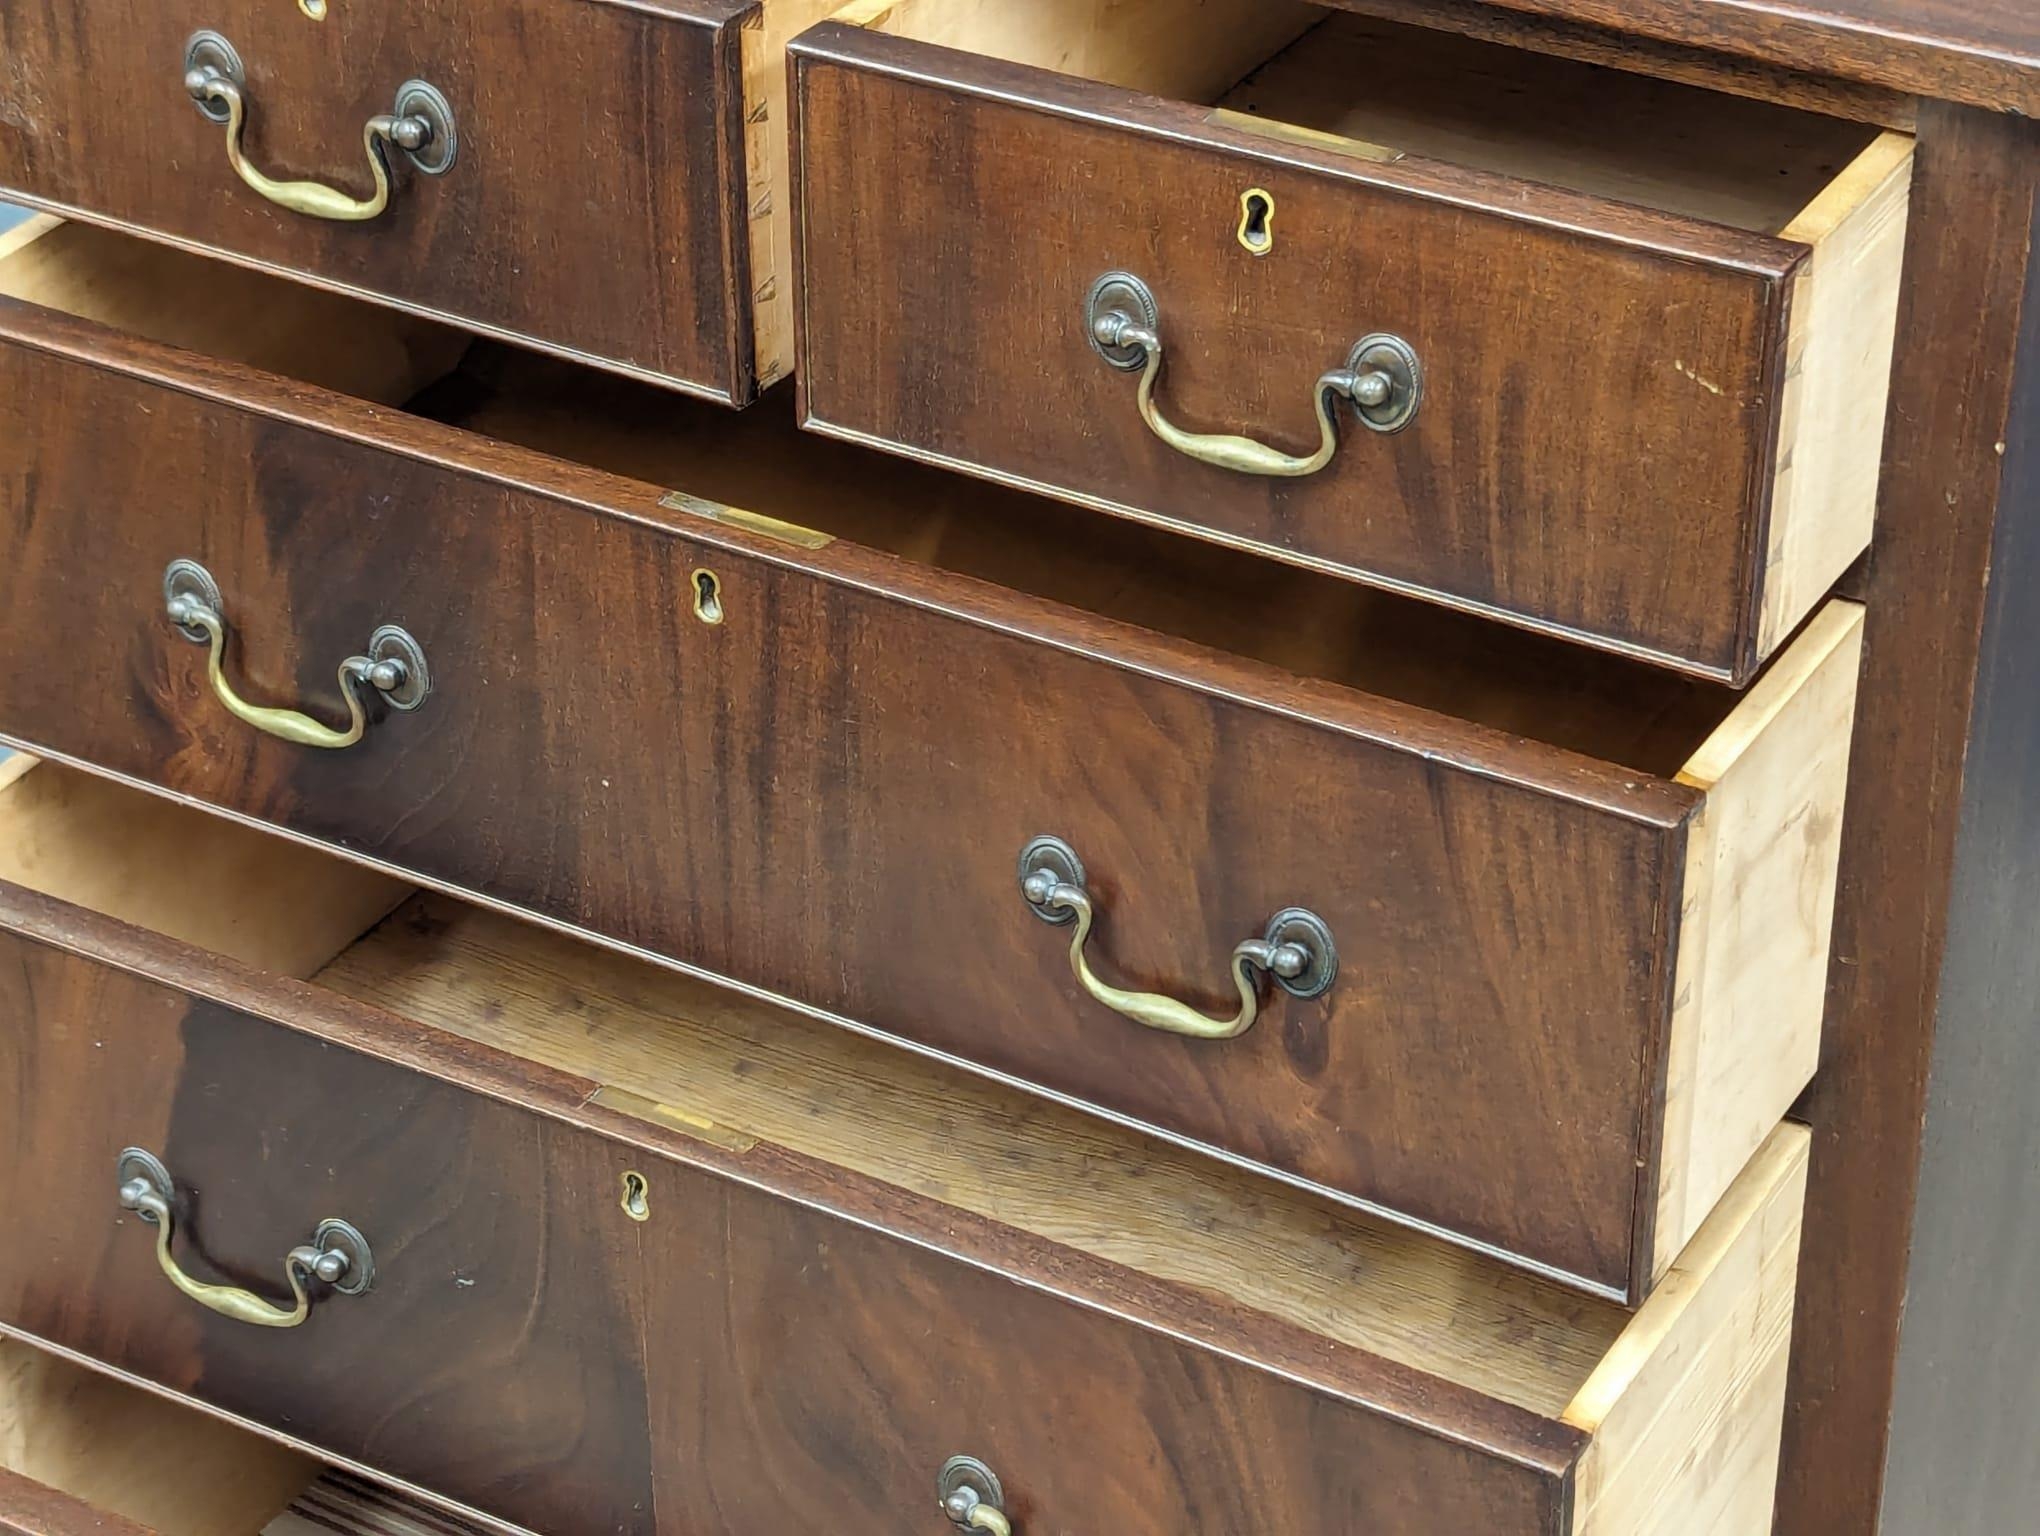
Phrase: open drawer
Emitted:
{"points": [[87, 1454], [634, 1254], [1509, 939], [1596, 354]]}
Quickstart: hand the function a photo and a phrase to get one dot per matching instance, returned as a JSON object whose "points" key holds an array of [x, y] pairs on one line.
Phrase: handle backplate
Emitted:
{"points": [[393, 666], [1296, 949], [337, 1254], [421, 125], [969, 1494], [1382, 383]]}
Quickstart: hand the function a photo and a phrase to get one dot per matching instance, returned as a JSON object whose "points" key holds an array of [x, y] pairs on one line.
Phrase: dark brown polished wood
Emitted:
{"points": [[729, 798], [811, 1346], [597, 207], [1559, 473], [486, 1364], [1933, 920], [1983, 53]]}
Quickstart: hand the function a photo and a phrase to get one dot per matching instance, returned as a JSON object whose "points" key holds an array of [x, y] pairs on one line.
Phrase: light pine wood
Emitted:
{"points": [[1838, 366], [1190, 49], [1756, 919], [181, 871], [266, 322], [1686, 1409], [767, 164], [121, 1449]]}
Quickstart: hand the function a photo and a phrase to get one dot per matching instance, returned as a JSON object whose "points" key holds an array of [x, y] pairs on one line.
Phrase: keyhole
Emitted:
{"points": [[635, 1206], [316, 9], [707, 597], [1257, 220]]}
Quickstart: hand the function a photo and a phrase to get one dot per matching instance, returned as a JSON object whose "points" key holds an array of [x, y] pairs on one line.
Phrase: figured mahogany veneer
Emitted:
{"points": [[1582, 905], [641, 140], [819, 1266], [1655, 322]]}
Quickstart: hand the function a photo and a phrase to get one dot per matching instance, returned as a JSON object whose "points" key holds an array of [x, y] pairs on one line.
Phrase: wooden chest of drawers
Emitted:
{"points": [[1426, 661], [1604, 949]]}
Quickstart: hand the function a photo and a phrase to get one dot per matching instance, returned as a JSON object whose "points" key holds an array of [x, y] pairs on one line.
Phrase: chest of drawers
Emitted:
{"points": [[1317, 903]]}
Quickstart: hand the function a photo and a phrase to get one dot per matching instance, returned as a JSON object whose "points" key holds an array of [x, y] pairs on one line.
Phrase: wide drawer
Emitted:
{"points": [[606, 190], [649, 1257], [1631, 339], [1579, 907]]}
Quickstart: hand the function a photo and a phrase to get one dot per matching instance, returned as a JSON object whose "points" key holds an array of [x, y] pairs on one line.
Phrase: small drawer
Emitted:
{"points": [[1512, 940], [1596, 354], [596, 178], [753, 1274]]}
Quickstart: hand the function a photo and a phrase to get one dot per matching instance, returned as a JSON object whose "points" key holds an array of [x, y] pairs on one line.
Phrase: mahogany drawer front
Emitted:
{"points": [[1571, 999], [1651, 412], [808, 1341], [481, 1370], [590, 136]]}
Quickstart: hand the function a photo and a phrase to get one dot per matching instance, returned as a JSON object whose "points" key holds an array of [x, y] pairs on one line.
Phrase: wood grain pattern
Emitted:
{"points": [[595, 136], [1598, 463], [535, 1415], [800, 1365], [740, 1072], [555, 605], [1983, 53], [1701, 1383], [108, 1457], [1757, 916], [1831, 406], [711, 1245]]}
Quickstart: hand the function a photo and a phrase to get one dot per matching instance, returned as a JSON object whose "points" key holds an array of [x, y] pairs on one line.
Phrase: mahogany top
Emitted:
{"points": [[1983, 53]]}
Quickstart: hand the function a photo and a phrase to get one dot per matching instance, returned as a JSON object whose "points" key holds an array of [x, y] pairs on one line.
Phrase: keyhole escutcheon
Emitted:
{"points": [[707, 597], [1257, 220]]}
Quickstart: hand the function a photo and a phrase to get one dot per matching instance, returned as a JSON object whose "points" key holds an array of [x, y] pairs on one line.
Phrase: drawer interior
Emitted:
{"points": [[742, 1074], [1381, 90], [128, 1452]]}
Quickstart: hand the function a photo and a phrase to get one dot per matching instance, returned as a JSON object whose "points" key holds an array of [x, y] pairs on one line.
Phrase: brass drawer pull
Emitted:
{"points": [[1296, 949], [421, 125], [1382, 381], [337, 1254], [394, 665], [971, 1497]]}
